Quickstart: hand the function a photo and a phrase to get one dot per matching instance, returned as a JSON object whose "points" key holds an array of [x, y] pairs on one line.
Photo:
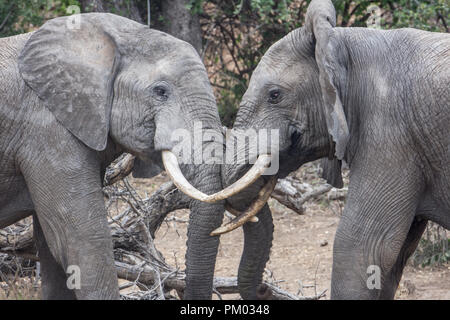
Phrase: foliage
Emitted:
{"points": [[21, 16], [433, 248], [238, 32]]}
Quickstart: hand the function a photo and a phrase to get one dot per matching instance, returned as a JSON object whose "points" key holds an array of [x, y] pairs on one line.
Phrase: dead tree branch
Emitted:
{"points": [[293, 194], [133, 230]]}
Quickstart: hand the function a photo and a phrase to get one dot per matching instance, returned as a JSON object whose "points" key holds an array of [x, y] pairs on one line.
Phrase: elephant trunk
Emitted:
{"points": [[258, 236], [204, 217], [257, 244]]}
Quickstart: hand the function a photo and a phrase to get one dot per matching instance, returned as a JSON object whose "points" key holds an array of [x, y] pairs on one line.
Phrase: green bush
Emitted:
{"points": [[433, 248], [245, 29], [22, 16]]}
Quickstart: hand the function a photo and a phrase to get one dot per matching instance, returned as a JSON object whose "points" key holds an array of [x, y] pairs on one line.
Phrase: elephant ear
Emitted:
{"points": [[331, 171], [320, 22], [72, 69]]}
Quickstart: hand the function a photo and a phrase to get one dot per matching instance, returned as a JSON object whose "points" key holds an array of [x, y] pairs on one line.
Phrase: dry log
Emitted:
{"points": [[17, 240], [176, 281], [119, 169], [337, 194], [293, 194]]}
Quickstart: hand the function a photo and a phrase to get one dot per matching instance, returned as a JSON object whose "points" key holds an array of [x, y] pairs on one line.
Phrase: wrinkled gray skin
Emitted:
{"points": [[378, 100], [73, 100]]}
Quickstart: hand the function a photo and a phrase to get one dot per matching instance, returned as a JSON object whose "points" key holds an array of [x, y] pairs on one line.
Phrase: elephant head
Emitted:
{"points": [[113, 82], [295, 91]]}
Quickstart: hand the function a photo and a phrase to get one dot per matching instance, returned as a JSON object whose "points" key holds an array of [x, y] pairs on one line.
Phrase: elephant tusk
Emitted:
{"points": [[237, 213], [255, 207], [261, 164], [173, 170]]}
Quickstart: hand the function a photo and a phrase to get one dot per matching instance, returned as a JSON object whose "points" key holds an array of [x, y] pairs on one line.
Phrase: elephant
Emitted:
{"points": [[75, 94], [376, 99]]}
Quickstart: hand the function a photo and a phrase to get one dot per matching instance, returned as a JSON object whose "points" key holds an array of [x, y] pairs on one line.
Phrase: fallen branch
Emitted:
{"points": [[176, 281], [133, 230], [17, 237], [5, 20], [119, 169], [293, 194]]}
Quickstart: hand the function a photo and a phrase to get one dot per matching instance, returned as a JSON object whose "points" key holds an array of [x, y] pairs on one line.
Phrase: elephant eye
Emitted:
{"points": [[161, 92], [274, 96]]}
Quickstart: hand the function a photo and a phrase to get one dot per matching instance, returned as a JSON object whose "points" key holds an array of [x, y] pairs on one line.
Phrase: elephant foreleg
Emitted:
{"points": [[409, 246], [54, 279], [375, 232], [73, 220]]}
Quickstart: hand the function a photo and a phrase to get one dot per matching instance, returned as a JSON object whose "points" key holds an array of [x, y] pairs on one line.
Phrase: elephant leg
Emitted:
{"points": [[72, 217], [257, 244], [428, 209], [373, 230], [409, 246], [54, 279]]}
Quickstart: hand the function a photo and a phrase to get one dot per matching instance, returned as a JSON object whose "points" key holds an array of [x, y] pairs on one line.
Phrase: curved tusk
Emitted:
{"points": [[255, 207], [261, 164], [173, 170], [237, 213]]}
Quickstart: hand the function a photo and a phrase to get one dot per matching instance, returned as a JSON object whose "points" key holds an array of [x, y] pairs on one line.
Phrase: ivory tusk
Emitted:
{"points": [[237, 213], [261, 164], [173, 170], [255, 207]]}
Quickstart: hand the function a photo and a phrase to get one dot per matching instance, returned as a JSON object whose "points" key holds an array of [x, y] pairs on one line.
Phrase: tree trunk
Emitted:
{"points": [[178, 20], [92, 6], [125, 8], [181, 23]]}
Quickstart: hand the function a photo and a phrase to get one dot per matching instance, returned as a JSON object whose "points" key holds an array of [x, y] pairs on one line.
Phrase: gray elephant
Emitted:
{"points": [[380, 100], [75, 94]]}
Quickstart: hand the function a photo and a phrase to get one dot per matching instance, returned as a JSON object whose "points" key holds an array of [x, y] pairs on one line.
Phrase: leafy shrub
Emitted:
{"points": [[433, 248]]}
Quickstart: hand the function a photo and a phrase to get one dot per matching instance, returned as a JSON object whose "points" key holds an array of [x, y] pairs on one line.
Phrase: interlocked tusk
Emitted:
{"points": [[173, 170], [255, 207], [237, 213]]}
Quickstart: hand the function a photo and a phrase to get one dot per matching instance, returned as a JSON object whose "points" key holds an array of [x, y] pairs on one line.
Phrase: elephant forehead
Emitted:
{"points": [[178, 72], [268, 74]]}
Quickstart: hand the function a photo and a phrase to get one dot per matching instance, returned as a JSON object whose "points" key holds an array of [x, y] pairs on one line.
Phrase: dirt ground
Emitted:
{"points": [[301, 256]]}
